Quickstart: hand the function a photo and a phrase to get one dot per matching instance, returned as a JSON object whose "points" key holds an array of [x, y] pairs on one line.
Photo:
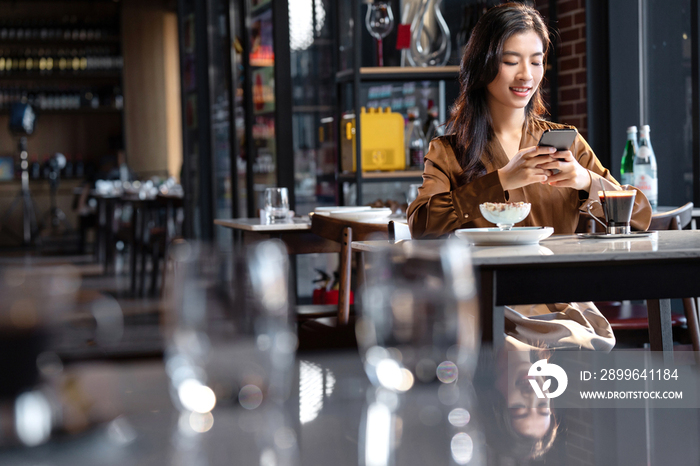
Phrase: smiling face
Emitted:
{"points": [[520, 72]]}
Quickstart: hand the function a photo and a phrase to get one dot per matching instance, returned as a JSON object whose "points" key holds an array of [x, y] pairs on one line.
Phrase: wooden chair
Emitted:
{"points": [[634, 316], [344, 232]]}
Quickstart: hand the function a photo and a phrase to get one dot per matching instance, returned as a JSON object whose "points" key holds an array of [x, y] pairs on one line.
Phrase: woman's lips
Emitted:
{"points": [[521, 91]]}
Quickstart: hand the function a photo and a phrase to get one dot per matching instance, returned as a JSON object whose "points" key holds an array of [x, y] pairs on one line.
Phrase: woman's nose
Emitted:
{"points": [[525, 74]]}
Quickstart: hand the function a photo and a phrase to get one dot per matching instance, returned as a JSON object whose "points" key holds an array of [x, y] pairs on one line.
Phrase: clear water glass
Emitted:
{"points": [[412, 193], [419, 317], [276, 204], [419, 339], [230, 344]]}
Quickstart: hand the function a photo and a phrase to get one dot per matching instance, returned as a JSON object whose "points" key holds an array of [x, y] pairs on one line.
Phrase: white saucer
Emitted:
{"points": [[634, 234], [498, 237]]}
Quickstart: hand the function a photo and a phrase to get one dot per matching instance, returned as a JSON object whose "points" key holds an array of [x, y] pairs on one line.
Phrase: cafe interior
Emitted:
{"points": [[205, 255]]}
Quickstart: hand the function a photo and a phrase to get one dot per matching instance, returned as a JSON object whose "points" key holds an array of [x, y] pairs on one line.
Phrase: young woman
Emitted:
{"points": [[491, 155]]}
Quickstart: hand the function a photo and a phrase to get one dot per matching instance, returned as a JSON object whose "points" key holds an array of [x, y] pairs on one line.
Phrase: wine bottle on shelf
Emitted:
{"points": [[645, 170], [414, 140], [630, 152], [432, 127]]}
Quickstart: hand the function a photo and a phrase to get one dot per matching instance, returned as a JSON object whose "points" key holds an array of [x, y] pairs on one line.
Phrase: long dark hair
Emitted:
{"points": [[470, 120]]}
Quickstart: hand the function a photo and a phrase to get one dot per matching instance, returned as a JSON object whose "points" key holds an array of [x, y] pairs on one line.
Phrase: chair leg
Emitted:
{"points": [[155, 264], [360, 261], [143, 272], [691, 316], [345, 272]]}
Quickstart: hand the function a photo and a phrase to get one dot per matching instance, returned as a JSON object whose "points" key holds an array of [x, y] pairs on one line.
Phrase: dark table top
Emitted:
{"points": [[335, 416]]}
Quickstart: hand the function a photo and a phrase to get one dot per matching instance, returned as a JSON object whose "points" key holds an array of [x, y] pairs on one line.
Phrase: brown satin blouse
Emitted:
{"points": [[443, 205]]}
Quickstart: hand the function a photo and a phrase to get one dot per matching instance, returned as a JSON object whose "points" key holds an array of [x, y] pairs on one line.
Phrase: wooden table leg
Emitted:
{"points": [[660, 333], [145, 220], [109, 237], [132, 248], [100, 251]]}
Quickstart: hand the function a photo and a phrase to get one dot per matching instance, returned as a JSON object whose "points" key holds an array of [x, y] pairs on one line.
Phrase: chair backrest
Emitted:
{"points": [[675, 219], [333, 228], [398, 231], [344, 232]]}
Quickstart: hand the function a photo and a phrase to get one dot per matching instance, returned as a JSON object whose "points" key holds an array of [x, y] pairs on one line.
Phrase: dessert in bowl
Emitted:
{"points": [[505, 214]]}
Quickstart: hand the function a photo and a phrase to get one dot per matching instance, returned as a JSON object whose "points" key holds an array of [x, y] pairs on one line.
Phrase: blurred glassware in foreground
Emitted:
{"points": [[230, 343], [33, 300], [420, 318], [419, 339]]}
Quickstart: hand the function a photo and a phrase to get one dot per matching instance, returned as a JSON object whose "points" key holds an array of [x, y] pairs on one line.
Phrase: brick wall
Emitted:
{"points": [[571, 15], [571, 60]]}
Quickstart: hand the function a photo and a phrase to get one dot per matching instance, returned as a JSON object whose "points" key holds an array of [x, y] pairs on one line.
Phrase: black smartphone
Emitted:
{"points": [[562, 139]]}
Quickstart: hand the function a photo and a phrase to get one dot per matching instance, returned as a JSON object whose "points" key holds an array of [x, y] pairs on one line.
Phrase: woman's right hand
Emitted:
{"points": [[523, 169]]}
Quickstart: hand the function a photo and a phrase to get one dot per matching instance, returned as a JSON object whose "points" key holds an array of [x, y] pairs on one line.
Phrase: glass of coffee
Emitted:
{"points": [[617, 208]]}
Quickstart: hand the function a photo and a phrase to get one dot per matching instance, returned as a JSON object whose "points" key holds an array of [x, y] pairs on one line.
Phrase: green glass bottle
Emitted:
{"points": [[627, 168]]}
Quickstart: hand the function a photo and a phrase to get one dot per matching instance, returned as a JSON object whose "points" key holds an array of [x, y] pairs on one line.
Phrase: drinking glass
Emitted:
{"points": [[617, 207], [230, 345], [412, 193], [379, 22], [419, 317], [35, 301], [418, 336], [276, 204]]}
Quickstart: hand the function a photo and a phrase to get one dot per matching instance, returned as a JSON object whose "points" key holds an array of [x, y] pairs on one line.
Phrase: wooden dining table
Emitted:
{"points": [[570, 268], [295, 233]]}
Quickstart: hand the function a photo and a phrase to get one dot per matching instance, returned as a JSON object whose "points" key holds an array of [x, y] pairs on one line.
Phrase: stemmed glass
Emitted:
{"points": [[379, 22]]}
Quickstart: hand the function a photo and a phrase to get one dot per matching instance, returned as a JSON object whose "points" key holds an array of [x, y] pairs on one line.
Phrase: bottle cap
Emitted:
{"points": [[645, 129], [632, 129]]}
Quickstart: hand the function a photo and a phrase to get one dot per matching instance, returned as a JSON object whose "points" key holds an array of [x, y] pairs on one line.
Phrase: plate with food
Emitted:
{"points": [[498, 237]]}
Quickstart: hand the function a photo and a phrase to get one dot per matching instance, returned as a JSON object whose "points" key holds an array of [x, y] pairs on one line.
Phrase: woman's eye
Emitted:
{"points": [[509, 63], [536, 64]]}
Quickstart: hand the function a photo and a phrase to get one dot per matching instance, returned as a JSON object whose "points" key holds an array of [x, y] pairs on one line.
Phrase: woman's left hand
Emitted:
{"points": [[571, 173]]}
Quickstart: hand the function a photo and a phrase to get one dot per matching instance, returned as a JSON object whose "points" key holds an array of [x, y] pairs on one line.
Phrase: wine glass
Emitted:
{"points": [[379, 21]]}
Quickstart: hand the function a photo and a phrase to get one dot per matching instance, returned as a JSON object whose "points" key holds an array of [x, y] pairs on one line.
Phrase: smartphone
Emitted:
{"points": [[562, 139]]}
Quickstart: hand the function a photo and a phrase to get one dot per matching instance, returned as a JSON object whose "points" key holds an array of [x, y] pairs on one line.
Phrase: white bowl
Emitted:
{"points": [[505, 214]]}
